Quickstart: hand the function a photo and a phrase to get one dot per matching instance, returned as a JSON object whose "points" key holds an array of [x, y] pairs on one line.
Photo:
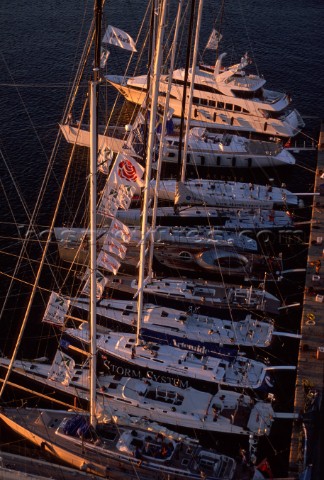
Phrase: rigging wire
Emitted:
{"points": [[37, 206]]}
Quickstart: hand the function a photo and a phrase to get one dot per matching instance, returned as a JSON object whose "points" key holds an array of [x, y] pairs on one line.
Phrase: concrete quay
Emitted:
{"points": [[307, 440]]}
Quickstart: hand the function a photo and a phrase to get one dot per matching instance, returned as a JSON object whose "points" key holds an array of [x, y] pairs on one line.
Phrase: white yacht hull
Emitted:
{"points": [[204, 114], [260, 155], [194, 410], [113, 454]]}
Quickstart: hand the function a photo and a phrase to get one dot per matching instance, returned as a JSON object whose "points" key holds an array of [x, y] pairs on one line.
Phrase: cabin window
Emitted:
{"points": [[273, 114], [195, 100], [113, 386], [203, 101], [170, 155], [178, 82], [230, 262], [212, 103], [228, 106], [185, 255], [237, 108], [192, 233], [205, 88], [220, 105]]}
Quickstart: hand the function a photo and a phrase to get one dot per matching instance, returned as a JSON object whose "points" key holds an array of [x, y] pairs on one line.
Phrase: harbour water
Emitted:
{"points": [[41, 43]]}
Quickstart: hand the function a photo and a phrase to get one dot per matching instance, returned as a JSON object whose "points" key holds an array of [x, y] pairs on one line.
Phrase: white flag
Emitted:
{"points": [[214, 39], [111, 245], [118, 37], [124, 196], [56, 309], [62, 368], [101, 282], [126, 171], [118, 230], [108, 205], [245, 60], [105, 157], [104, 57], [108, 262]]}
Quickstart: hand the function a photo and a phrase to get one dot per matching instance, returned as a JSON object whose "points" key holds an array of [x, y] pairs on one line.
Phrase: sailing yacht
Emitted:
{"points": [[199, 292], [182, 248], [218, 150], [254, 220], [205, 148], [226, 411], [222, 193], [124, 355], [205, 334], [113, 448], [121, 354]]}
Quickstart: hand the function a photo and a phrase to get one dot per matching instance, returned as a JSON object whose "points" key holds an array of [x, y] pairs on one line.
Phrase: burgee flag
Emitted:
{"points": [[126, 171], [108, 262], [214, 39], [115, 36], [56, 309]]}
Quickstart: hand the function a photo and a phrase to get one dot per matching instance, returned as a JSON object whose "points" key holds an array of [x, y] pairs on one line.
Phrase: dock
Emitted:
{"points": [[18, 467], [307, 440]]}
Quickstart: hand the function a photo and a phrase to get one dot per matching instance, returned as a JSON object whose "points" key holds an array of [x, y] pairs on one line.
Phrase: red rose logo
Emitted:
{"points": [[127, 171]]}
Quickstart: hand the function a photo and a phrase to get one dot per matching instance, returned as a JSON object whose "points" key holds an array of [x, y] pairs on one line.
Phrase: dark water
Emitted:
{"points": [[41, 43]]}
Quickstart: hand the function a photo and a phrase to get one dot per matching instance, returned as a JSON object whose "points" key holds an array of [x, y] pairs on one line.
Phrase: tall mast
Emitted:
{"points": [[163, 131], [93, 91], [184, 93], [150, 146], [193, 72], [45, 249]]}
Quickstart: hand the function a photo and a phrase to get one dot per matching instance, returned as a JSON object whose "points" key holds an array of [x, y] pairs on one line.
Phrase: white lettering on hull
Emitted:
{"points": [[134, 373]]}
